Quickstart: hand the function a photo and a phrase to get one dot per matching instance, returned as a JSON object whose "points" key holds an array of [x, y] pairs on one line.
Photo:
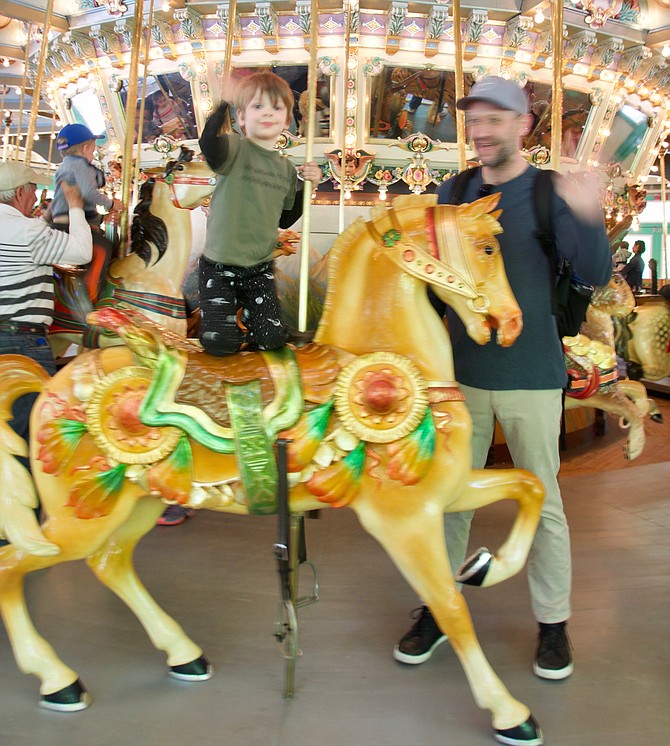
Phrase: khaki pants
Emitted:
{"points": [[531, 423]]}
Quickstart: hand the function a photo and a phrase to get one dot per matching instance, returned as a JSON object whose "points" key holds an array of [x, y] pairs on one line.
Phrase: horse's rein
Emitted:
{"points": [[414, 260], [184, 180]]}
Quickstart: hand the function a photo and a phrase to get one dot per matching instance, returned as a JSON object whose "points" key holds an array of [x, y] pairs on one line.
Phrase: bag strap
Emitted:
{"points": [[544, 192], [460, 182]]}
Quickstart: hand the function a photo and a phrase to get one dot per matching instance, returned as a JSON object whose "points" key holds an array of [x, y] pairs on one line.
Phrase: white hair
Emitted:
{"points": [[7, 195]]}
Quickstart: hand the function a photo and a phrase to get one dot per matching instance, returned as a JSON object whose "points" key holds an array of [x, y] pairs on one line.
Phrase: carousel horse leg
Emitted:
{"points": [[113, 566], [484, 488], [417, 548], [628, 400], [60, 687]]}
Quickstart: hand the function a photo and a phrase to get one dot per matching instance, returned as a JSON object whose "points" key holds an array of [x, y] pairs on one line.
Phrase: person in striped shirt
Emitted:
{"points": [[29, 248]]}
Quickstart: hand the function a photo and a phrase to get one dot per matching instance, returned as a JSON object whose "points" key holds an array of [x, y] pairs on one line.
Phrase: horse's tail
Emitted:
{"points": [[19, 375]]}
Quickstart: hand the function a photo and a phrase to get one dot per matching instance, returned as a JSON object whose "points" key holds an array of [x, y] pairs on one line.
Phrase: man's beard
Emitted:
{"points": [[501, 158]]}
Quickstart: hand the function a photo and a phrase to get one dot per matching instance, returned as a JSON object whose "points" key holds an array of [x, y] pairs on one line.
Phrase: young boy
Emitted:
{"points": [[255, 194], [76, 143]]}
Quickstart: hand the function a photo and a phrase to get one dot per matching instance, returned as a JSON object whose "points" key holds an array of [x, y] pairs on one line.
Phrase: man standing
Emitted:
{"points": [[28, 249], [632, 272], [521, 386]]}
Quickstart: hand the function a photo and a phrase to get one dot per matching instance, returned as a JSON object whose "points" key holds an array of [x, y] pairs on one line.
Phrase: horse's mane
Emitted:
{"points": [[147, 228]]}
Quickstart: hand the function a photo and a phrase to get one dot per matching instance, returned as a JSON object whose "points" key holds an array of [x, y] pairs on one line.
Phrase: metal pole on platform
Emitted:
{"points": [[140, 126], [131, 102], [38, 82], [312, 77], [459, 86], [19, 124], [5, 119], [556, 85], [664, 247]]}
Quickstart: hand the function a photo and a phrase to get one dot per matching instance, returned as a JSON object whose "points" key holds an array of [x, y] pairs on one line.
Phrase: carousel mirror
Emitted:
{"points": [[296, 77], [85, 107], [629, 127], [576, 111], [168, 107], [405, 100]]}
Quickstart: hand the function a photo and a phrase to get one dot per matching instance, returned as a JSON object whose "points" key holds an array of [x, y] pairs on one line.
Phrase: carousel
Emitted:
{"points": [[137, 413]]}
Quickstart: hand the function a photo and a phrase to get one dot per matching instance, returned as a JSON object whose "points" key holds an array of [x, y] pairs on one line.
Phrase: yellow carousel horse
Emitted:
{"points": [[371, 410], [592, 354], [643, 340], [149, 278]]}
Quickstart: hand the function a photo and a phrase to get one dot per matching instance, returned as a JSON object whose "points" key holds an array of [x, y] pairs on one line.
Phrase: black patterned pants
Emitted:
{"points": [[225, 288]]}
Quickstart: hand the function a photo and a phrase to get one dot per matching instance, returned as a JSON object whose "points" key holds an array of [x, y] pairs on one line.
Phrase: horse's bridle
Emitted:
{"points": [[184, 179], [401, 249]]}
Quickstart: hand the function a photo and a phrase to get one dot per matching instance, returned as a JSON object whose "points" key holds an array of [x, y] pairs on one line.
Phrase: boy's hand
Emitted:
{"points": [[311, 172], [117, 205], [72, 195], [228, 89]]}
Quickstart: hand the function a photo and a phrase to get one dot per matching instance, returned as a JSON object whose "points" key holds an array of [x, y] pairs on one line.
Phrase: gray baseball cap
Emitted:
{"points": [[505, 94]]}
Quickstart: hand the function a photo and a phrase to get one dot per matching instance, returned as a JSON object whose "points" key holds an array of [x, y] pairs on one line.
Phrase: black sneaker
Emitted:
{"points": [[418, 644], [553, 659]]}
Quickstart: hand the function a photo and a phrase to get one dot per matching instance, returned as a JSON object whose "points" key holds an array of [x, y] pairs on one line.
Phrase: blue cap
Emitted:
{"points": [[73, 134]]}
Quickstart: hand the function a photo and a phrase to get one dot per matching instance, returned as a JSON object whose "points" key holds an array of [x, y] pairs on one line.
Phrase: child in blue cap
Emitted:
{"points": [[76, 143]]}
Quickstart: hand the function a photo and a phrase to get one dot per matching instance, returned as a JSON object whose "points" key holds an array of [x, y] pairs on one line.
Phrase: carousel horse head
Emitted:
{"points": [[615, 299]]}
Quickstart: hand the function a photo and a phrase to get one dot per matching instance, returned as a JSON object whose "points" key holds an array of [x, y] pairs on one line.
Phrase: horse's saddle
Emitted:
{"points": [[237, 404]]}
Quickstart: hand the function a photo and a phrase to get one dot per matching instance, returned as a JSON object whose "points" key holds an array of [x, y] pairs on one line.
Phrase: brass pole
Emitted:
{"points": [[343, 170], [459, 87], [556, 86], [131, 101], [230, 36], [140, 127], [664, 250], [38, 81], [5, 139], [19, 125], [51, 138], [312, 75]]}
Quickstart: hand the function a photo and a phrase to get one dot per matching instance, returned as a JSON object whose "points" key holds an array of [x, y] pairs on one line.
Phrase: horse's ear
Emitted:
{"points": [[496, 214], [481, 206]]}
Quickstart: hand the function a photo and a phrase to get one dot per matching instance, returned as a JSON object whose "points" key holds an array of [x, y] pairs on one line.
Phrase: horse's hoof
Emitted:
{"points": [[526, 734], [656, 417], [70, 699], [199, 669], [474, 570]]}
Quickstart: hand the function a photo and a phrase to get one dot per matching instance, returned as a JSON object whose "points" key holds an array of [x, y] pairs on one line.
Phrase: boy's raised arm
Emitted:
{"points": [[212, 145]]}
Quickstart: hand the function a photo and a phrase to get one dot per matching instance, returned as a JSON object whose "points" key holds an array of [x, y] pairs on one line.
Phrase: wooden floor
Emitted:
{"points": [[216, 575]]}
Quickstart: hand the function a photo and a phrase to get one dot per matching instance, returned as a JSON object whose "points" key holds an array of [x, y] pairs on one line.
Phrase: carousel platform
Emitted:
{"points": [[216, 575]]}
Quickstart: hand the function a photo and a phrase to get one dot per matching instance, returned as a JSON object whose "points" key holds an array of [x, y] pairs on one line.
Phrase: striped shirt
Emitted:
{"points": [[28, 249]]}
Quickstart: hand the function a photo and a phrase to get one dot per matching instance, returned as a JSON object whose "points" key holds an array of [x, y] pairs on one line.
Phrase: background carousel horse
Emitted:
{"points": [[643, 340], [623, 397], [373, 415], [150, 278]]}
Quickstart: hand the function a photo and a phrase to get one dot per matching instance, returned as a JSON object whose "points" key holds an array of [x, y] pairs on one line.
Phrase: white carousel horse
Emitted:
{"points": [[150, 277], [619, 396], [373, 415]]}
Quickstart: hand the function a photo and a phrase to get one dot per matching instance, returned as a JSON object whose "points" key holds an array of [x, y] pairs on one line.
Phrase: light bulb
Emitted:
{"points": [[539, 17], [666, 50]]}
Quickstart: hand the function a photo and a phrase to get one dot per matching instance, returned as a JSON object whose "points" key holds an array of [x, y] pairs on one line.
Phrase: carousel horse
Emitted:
{"points": [[643, 340], [371, 412], [150, 277], [590, 356]]}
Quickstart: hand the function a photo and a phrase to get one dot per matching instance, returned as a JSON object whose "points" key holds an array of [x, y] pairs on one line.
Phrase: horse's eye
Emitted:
{"points": [[488, 250]]}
